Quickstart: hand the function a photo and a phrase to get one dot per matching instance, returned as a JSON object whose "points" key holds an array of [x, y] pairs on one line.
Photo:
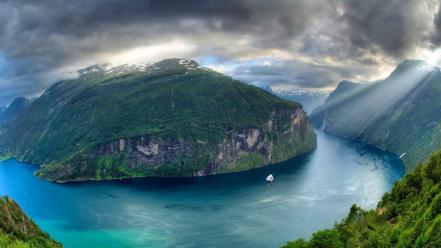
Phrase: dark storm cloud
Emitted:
{"points": [[50, 28], [38, 37], [436, 37], [41, 39], [296, 73], [291, 72], [394, 27]]}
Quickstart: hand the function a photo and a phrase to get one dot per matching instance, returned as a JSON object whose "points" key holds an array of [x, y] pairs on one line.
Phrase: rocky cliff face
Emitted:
{"points": [[171, 118], [157, 156]]}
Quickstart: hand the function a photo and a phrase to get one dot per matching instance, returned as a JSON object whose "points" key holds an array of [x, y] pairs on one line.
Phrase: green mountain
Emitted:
{"points": [[409, 216], [399, 114], [18, 231], [171, 118], [17, 105]]}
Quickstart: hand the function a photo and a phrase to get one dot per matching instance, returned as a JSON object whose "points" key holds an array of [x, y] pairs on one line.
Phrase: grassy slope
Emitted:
{"points": [[18, 231], [74, 116], [409, 216]]}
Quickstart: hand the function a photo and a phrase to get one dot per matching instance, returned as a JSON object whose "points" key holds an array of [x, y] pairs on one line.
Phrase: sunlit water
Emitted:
{"points": [[238, 210]]}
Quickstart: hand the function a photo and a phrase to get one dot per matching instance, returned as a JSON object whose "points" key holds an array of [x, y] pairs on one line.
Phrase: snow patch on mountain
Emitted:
{"points": [[166, 64]]}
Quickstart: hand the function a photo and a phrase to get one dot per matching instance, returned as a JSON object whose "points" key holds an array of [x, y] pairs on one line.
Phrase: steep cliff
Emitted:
{"points": [[171, 118], [399, 114], [17, 230]]}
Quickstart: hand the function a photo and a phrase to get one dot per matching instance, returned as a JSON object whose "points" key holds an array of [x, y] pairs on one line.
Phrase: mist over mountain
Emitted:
{"points": [[309, 100], [399, 114], [13, 109]]}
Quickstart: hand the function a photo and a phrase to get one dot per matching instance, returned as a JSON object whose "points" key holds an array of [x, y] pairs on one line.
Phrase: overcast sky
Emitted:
{"points": [[296, 44]]}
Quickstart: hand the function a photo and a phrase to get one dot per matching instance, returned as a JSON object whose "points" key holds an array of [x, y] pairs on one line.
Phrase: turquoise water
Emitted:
{"points": [[237, 210]]}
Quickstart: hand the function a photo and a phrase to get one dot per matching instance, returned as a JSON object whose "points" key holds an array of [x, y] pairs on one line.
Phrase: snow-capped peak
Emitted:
{"points": [[163, 65]]}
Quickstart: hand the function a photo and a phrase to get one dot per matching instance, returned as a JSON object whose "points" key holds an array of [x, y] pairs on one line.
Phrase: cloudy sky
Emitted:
{"points": [[296, 44]]}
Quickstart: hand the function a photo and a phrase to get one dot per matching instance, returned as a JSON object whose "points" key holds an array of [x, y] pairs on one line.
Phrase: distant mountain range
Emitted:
{"points": [[401, 113], [171, 118], [309, 100]]}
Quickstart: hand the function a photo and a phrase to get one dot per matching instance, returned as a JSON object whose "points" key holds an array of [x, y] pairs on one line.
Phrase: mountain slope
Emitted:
{"points": [[17, 105], [409, 216], [18, 231], [399, 114], [171, 118]]}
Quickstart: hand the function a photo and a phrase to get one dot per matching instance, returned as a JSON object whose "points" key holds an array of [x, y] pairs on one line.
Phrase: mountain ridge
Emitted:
{"points": [[398, 114], [172, 118]]}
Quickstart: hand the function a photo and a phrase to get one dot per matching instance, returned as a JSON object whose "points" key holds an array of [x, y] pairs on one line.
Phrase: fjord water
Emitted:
{"points": [[309, 193]]}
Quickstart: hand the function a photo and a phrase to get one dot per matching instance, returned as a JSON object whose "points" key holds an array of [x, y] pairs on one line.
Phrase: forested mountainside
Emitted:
{"points": [[400, 114], [171, 118], [18, 231]]}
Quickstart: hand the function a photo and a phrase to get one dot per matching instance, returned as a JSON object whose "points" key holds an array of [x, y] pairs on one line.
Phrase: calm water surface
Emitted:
{"points": [[238, 210]]}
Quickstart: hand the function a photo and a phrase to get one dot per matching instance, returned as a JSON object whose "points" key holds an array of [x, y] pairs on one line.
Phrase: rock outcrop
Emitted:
{"points": [[148, 155]]}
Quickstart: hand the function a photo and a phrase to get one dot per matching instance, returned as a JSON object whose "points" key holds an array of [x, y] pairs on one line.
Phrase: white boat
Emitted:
{"points": [[270, 178], [402, 155]]}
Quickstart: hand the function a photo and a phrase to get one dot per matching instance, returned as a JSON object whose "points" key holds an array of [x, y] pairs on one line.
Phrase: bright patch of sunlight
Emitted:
{"points": [[375, 101], [143, 54], [433, 57]]}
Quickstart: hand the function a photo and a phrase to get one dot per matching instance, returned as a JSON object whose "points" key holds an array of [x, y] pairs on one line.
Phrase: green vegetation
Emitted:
{"points": [[399, 114], [18, 231], [174, 102], [408, 216], [246, 162], [5, 157]]}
